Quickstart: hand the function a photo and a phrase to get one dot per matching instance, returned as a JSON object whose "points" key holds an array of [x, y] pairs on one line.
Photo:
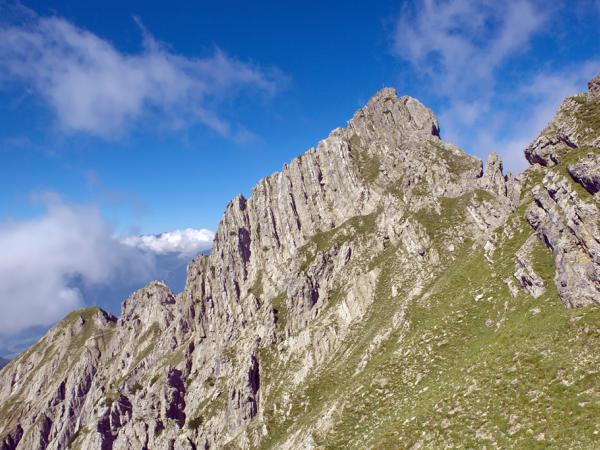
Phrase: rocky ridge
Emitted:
{"points": [[339, 299], [563, 214]]}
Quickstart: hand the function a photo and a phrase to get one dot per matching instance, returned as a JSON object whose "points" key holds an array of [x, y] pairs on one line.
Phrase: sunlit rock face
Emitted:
{"points": [[358, 298]]}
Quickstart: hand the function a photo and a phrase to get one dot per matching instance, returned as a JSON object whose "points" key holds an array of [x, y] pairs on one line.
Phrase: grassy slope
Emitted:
{"points": [[496, 371]]}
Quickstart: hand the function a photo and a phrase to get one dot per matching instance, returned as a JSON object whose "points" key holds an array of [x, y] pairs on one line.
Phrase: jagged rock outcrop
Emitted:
{"points": [[586, 172], [311, 305], [529, 280], [45, 389], [564, 216], [575, 125], [569, 227]]}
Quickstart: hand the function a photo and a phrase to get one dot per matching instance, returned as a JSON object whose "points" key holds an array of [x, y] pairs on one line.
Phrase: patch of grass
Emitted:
{"points": [[86, 313], [457, 163], [146, 343], [442, 227], [588, 118], [73, 444], [280, 308], [574, 155], [580, 99], [137, 387], [77, 344], [217, 405], [358, 227], [542, 262], [7, 407], [210, 407], [194, 424], [482, 195], [335, 295], [110, 397], [230, 353], [210, 381], [368, 165], [174, 358]]}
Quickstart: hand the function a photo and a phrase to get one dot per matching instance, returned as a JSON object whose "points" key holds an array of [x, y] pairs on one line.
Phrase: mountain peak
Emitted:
{"points": [[390, 112], [379, 262], [382, 95]]}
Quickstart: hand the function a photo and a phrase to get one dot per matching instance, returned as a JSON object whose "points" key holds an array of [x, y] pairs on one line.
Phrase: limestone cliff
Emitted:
{"points": [[564, 215], [362, 297]]}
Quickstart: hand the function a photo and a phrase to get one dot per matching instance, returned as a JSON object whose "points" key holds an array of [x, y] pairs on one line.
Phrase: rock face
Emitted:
{"points": [[586, 172], [315, 304], [562, 214], [44, 389], [529, 280], [569, 226], [575, 125]]}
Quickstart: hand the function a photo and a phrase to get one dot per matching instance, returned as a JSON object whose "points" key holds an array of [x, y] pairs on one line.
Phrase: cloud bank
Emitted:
{"points": [[187, 242], [42, 259], [467, 54], [52, 264], [93, 87]]}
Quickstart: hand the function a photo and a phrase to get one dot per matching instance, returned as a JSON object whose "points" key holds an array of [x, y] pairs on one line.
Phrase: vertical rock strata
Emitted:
{"points": [[317, 266], [563, 213]]}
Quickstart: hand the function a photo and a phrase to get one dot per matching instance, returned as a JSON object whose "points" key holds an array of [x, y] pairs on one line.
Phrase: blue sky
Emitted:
{"points": [[323, 61], [329, 63], [140, 117]]}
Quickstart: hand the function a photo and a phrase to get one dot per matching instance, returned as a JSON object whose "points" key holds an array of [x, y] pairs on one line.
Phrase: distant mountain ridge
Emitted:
{"points": [[170, 267], [384, 290]]}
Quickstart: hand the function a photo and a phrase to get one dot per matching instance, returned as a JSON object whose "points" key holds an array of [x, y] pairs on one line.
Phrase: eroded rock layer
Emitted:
{"points": [[361, 297]]}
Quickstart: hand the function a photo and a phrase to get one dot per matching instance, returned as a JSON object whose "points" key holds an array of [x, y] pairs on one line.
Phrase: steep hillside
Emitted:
{"points": [[384, 290]]}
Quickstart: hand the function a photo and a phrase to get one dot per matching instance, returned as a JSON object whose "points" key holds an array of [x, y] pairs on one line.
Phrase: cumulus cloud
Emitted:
{"points": [[466, 51], [93, 87], [187, 242], [44, 258]]}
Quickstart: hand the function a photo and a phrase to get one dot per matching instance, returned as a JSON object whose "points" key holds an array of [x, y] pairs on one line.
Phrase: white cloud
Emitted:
{"points": [[187, 242], [42, 259], [465, 49], [461, 43], [49, 264], [93, 87]]}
